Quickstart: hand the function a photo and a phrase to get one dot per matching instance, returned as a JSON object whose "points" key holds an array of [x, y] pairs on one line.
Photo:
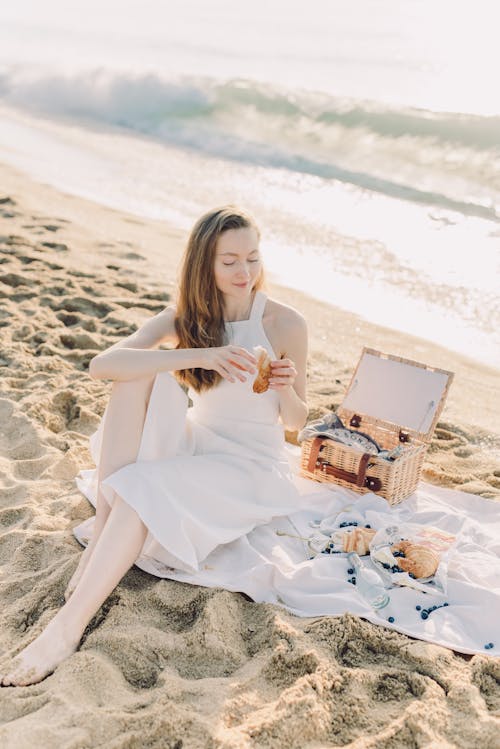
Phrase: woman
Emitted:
{"points": [[224, 470]]}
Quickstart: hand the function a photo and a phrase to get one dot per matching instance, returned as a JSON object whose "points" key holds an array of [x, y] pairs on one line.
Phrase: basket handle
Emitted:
{"points": [[359, 479]]}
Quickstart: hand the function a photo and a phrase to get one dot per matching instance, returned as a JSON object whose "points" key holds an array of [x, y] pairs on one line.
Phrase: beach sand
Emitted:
{"points": [[166, 664]]}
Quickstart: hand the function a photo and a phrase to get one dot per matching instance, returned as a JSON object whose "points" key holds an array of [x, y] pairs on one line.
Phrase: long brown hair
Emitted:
{"points": [[199, 320]]}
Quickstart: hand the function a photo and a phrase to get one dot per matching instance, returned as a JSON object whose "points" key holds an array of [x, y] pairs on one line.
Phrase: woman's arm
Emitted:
{"points": [[294, 341], [127, 359]]}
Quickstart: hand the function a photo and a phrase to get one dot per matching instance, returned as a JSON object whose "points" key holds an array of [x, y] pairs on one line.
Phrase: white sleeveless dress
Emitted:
{"points": [[204, 475]]}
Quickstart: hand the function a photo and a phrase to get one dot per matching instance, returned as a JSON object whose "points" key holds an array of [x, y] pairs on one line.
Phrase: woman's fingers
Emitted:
{"points": [[283, 373]]}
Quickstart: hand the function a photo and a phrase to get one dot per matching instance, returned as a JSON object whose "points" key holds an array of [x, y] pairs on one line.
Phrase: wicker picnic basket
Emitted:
{"points": [[395, 401]]}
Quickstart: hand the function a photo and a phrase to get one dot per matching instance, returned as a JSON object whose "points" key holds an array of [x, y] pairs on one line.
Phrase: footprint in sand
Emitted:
{"points": [[57, 246], [41, 227], [19, 439], [128, 285], [79, 341], [134, 256], [83, 305], [70, 320], [7, 212], [14, 280]]}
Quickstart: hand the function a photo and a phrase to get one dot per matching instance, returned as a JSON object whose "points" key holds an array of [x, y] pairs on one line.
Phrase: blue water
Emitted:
{"points": [[359, 134]]}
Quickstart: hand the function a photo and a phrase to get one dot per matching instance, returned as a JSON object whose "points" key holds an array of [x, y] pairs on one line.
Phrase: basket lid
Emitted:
{"points": [[400, 392]]}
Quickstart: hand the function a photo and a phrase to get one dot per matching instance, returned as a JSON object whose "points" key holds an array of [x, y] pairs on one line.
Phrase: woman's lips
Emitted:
{"points": [[241, 285]]}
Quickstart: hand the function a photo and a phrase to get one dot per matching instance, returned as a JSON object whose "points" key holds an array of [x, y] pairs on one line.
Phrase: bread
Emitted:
{"points": [[419, 560], [261, 382], [358, 540]]}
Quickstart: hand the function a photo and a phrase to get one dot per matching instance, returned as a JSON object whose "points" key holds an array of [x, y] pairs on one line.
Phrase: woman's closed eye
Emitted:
{"points": [[250, 261]]}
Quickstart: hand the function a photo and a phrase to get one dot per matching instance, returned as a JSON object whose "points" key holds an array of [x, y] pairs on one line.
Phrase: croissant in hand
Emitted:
{"points": [[261, 382]]}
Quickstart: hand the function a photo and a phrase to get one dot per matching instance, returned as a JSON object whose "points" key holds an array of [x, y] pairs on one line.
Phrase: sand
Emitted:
{"points": [[166, 664]]}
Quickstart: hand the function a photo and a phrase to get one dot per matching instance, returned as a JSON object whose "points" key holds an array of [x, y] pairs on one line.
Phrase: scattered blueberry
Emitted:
{"points": [[446, 603], [390, 619], [386, 566], [410, 574], [353, 580], [418, 607], [368, 525], [424, 614], [350, 571]]}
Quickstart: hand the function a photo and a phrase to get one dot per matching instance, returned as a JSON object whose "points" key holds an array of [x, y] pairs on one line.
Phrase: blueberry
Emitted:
{"points": [[487, 646], [424, 614], [368, 525], [410, 574], [353, 580], [354, 522], [418, 607], [331, 546], [311, 557], [350, 571], [390, 619], [446, 603], [386, 566]]}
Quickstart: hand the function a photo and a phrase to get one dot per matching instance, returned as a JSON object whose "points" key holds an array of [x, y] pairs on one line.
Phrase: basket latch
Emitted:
{"points": [[355, 421], [404, 436]]}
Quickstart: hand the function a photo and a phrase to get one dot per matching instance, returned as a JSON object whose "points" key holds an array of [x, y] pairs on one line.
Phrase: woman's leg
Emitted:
{"points": [[121, 439], [118, 547]]}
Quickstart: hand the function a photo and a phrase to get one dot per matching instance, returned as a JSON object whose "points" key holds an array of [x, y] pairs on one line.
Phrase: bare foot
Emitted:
{"points": [[42, 656], [82, 563]]}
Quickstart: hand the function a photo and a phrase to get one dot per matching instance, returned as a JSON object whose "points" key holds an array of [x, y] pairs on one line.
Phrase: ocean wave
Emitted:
{"points": [[447, 159]]}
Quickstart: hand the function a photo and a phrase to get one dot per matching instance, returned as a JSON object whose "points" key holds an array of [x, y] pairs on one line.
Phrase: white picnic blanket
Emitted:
{"points": [[277, 569]]}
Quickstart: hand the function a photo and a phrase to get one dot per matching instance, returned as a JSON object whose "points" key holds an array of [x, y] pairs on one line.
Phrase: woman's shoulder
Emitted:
{"points": [[285, 327], [282, 315]]}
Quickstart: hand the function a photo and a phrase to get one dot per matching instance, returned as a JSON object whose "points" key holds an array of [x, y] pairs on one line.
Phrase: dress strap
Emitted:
{"points": [[258, 306]]}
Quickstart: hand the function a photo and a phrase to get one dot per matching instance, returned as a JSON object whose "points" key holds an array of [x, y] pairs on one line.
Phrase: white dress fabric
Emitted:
{"points": [[216, 485]]}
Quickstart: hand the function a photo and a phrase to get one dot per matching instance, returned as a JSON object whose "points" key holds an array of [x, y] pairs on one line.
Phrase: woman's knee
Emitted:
{"points": [[131, 390]]}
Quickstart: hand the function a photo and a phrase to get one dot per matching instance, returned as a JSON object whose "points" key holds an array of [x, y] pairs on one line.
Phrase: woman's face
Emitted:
{"points": [[237, 261]]}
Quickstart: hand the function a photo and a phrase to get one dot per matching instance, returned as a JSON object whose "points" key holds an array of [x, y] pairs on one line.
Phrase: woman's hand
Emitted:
{"points": [[228, 361], [283, 374]]}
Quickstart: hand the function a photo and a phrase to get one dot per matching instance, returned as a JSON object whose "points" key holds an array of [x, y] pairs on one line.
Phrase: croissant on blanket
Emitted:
{"points": [[419, 560]]}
